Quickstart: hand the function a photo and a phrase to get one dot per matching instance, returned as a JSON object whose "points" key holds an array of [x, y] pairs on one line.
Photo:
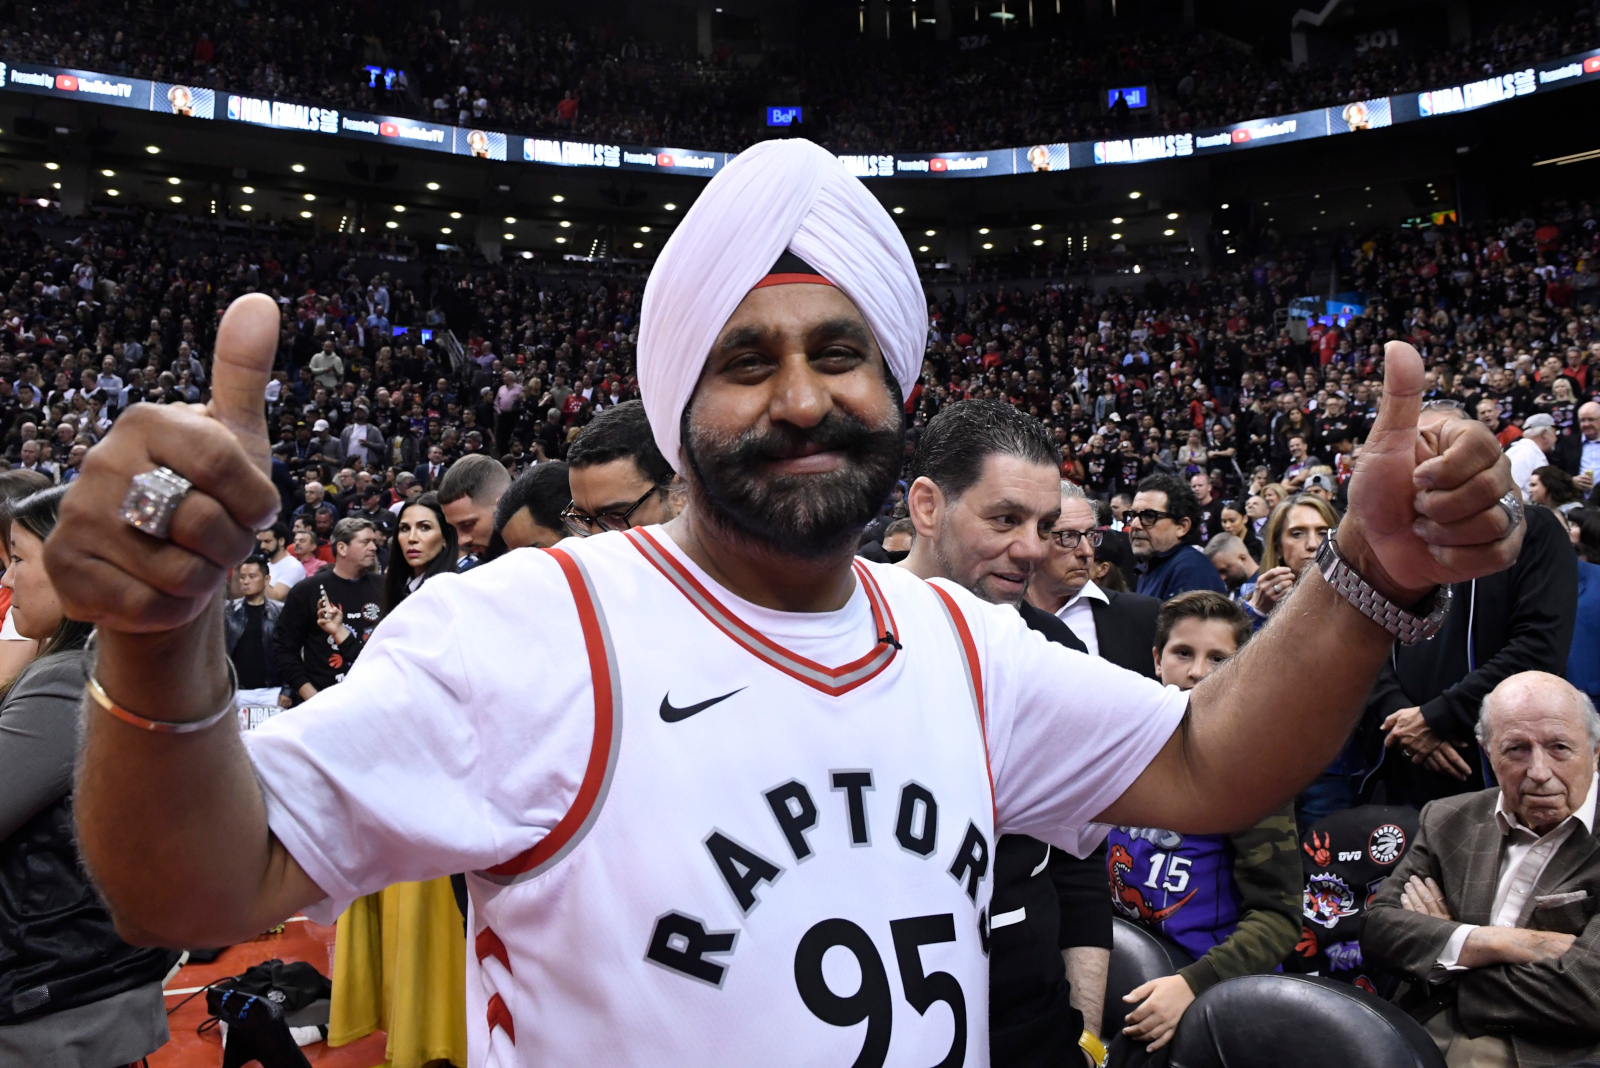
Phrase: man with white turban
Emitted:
{"points": [[725, 794]]}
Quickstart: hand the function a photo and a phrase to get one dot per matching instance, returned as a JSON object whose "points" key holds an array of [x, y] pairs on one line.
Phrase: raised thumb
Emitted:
{"points": [[247, 343], [1402, 392]]}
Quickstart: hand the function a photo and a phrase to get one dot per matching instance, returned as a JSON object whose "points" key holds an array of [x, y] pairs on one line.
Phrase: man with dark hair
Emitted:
{"points": [[468, 493], [328, 618], [816, 754], [283, 569], [984, 496], [988, 541], [250, 622], [618, 476], [1161, 524], [529, 514]]}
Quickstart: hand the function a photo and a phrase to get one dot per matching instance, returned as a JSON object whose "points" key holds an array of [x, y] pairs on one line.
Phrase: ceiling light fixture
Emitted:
{"points": [[1038, 241], [298, 168], [174, 181], [899, 211], [112, 192], [444, 229], [983, 229], [558, 198], [455, 215], [109, 173], [247, 189], [988, 244], [565, 224], [310, 196], [154, 150], [561, 241], [644, 229], [1117, 221], [391, 224], [1116, 237], [670, 207], [176, 200], [509, 237], [1037, 226], [922, 248], [433, 186], [511, 220], [307, 215], [52, 166], [1135, 195], [638, 244], [1171, 215], [1168, 233], [400, 208], [930, 233]]}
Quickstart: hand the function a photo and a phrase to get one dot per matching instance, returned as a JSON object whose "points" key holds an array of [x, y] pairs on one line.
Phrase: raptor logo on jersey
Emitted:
{"points": [[1327, 898]]}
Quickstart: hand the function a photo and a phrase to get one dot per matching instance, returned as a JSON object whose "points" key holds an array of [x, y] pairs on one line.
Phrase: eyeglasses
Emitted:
{"points": [[581, 524], [1147, 517], [1069, 539], [1444, 404]]}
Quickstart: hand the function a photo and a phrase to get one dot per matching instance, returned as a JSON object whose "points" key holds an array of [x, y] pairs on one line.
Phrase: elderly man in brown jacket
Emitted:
{"points": [[1493, 910]]}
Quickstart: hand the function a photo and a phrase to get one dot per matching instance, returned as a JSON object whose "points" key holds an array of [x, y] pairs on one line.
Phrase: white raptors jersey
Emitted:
{"points": [[768, 855], [693, 840]]}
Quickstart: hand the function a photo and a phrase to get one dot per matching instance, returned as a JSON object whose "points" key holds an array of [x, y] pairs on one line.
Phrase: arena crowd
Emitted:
{"points": [[495, 69], [1202, 448]]}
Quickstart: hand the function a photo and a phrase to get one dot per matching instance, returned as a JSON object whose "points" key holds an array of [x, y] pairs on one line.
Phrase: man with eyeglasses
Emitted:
{"points": [[619, 478], [1159, 523], [1119, 627]]}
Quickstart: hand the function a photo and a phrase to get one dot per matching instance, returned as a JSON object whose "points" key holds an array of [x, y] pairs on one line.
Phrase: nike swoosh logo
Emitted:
{"points": [[672, 714]]}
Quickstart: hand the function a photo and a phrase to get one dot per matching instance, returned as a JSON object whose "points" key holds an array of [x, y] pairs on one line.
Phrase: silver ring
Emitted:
{"points": [[151, 500], [1514, 511]]}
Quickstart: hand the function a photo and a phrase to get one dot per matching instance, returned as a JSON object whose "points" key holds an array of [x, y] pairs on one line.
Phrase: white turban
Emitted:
{"points": [[778, 196]]}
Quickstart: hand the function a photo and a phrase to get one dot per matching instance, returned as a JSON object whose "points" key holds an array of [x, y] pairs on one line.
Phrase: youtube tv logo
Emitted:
{"points": [[663, 160], [938, 164], [1241, 136], [66, 83], [388, 129], [1591, 65]]}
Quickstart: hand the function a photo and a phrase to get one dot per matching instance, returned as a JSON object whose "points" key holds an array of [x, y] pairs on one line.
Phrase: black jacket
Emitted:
{"points": [[1125, 629], [58, 947], [1519, 619], [233, 624]]}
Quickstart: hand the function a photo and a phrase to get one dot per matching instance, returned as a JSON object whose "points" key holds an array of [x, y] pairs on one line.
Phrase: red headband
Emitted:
{"points": [[791, 280]]}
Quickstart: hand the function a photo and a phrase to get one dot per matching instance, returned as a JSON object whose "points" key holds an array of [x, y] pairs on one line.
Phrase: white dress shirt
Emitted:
{"points": [[1523, 857], [1526, 458], [1078, 614]]}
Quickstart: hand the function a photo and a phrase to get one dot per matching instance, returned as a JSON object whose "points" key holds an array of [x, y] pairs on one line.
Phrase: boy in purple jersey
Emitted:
{"points": [[1232, 900]]}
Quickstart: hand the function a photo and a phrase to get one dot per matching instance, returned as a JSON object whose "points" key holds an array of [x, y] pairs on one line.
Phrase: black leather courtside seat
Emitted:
{"points": [[1137, 956], [1298, 1021]]}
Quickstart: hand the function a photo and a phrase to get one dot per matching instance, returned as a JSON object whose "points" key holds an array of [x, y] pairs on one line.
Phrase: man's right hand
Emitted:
{"points": [[123, 580]]}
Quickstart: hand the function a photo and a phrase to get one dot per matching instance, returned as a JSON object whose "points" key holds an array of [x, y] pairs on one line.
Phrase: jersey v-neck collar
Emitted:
{"points": [[833, 681]]}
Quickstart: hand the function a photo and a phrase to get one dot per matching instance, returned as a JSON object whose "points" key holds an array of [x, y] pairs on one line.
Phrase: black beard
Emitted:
{"points": [[805, 516]]}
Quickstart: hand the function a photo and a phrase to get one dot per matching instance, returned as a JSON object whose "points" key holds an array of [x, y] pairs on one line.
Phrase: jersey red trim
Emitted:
{"points": [[834, 681], [604, 726], [488, 944], [500, 1016], [970, 649]]}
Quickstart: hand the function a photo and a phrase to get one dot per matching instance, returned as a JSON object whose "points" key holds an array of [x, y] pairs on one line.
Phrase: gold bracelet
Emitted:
{"points": [[158, 726], [1090, 1043]]}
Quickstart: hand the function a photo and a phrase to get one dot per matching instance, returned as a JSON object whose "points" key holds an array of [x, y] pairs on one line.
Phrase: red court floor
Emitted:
{"points": [[301, 940]]}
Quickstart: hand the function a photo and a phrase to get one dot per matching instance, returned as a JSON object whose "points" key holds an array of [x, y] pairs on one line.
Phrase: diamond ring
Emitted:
{"points": [[1513, 508], [151, 500]]}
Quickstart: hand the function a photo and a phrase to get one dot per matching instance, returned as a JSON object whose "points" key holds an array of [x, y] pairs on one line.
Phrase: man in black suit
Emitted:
{"points": [[431, 472], [1119, 627], [982, 502]]}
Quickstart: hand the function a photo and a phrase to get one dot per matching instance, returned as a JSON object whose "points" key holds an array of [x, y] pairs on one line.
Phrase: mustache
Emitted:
{"points": [[837, 432]]}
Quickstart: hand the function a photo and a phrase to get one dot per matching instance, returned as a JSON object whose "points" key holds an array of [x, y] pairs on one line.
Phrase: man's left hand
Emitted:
{"points": [[1415, 739], [1424, 495], [1424, 896]]}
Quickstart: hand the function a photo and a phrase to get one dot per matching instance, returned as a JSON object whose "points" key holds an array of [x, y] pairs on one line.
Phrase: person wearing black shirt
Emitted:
{"points": [[328, 617], [249, 625]]}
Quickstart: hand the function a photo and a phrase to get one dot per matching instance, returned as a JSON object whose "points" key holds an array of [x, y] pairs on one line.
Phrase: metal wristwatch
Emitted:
{"points": [[1409, 627]]}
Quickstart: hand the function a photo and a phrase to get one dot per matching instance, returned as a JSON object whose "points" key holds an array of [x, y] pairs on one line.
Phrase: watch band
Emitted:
{"points": [[1409, 628], [1090, 1043]]}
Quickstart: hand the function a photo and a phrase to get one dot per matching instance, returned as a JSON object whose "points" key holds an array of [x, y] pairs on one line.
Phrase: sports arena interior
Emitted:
{"points": [[1177, 233]]}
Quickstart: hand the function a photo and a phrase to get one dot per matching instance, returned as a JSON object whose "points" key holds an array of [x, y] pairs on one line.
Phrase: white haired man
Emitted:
{"points": [[1492, 910]]}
